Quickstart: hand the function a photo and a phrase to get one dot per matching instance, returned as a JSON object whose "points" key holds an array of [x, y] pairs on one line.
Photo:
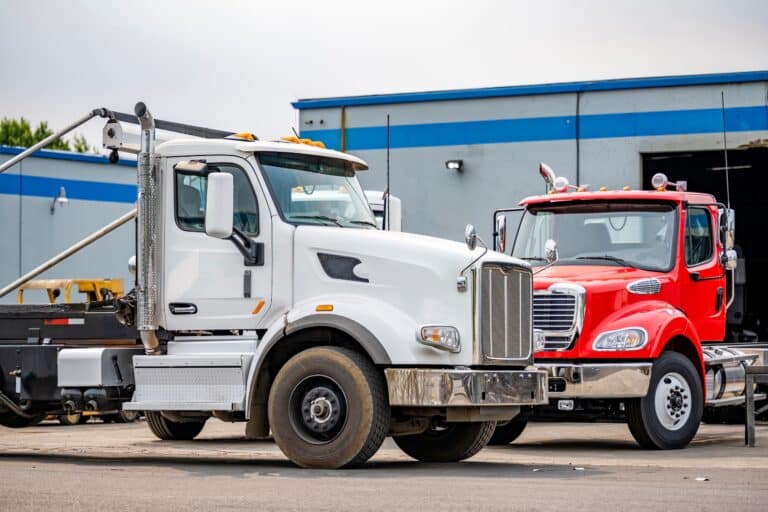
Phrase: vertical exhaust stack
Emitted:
{"points": [[148, 234]]}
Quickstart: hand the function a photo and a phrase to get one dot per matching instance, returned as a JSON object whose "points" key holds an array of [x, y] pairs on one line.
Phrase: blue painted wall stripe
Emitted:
{"points": [[37, 186], [67, 155], [594, 126], [527, 90]]}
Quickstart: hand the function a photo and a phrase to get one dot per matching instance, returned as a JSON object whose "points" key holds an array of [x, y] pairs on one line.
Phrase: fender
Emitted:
{"points": [[387, 334], [283, 328], [364, 337], [663, 323]]}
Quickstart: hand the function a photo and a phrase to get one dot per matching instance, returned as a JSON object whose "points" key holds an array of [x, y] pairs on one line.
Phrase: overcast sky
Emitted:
{"points": [[238, 65]]}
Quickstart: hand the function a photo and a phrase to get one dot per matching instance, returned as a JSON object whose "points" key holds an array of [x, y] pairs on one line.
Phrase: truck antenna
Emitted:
{"points": [[387, 195], [725, 151]]}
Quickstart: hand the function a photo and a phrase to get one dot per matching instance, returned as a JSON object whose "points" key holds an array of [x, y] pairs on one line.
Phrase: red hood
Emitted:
{"points": [[591, 277], [607, 298]]}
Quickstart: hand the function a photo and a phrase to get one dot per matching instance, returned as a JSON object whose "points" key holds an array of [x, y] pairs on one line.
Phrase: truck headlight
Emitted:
{"points": [[440, 336], [631, 338]]}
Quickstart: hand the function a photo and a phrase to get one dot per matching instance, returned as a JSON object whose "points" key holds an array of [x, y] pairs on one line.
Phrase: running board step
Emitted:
{"points": [[735, 400]]}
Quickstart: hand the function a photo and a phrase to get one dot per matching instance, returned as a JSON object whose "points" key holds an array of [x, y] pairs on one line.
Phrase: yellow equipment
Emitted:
{"points": [[94, 289]]}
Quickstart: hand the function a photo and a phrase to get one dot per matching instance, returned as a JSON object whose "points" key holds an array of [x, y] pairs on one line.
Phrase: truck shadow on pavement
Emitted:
{"points": [[279, 467]]}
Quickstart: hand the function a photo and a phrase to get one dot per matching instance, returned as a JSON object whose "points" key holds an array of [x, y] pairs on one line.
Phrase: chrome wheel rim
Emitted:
{"points": [[672, 401]]}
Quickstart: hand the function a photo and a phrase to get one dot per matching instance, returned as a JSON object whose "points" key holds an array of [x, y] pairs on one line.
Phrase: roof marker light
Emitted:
{"points": [[243, 136], [306, 142]]}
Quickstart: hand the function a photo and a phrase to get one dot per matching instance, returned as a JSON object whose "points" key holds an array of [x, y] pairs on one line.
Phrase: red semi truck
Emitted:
{"points": [[631, 290]]}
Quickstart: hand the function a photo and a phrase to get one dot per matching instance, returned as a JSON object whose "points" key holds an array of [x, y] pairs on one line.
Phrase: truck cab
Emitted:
{"points": [[266, 293], [631, 289]]}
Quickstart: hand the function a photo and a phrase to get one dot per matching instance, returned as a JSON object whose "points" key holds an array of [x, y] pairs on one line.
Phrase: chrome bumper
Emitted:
{"points": [[615, 380], [433, 387]]}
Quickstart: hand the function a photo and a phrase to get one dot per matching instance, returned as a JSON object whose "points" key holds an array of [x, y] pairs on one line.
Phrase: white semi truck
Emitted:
{"points": [[296, 317]]}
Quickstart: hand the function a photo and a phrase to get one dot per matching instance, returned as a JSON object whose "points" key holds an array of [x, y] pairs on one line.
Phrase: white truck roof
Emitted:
{"points": [[192, 146]]}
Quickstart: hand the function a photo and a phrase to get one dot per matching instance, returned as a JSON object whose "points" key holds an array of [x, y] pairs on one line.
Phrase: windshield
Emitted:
{"points": [[639, 235], [316, 190]]}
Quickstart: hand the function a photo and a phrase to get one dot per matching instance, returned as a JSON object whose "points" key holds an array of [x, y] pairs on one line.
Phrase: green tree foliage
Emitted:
{"points": [[18, 132], [80, 145]]}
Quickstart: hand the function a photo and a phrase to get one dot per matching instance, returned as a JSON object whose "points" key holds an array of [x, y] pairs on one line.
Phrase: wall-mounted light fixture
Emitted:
{"points": [[60, 200], [454, 165]]}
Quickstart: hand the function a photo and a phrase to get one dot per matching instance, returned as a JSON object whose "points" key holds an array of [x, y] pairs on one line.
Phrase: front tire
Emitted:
{"points": [[505, 434], [169, 430], [328, 408], [668, 417], [447, 442]]}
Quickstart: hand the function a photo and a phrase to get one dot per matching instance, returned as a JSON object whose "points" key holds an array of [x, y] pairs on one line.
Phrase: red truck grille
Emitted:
{"points": [[555, 314]]}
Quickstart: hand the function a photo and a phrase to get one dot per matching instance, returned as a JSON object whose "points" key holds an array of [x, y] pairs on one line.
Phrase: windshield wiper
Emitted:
{"points": [[364, 223], [318, 217], [607, 257]]}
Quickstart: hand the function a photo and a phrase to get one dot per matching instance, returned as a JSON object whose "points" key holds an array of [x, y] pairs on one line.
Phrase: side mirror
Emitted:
{"points": [[550, 251], [727, 221], [501, 233], [731, 259], [219, 208], [470, 237]]}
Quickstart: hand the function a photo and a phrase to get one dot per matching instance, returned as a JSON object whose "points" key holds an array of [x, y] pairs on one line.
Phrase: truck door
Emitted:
{"points": [[208, 286], [704, 292]]}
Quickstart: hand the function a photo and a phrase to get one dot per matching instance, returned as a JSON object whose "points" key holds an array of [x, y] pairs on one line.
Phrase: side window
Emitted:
{"points": [[698, 236], [190, 200]]}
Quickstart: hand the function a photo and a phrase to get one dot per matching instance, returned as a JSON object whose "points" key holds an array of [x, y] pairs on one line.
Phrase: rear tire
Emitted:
{"points": [[12, 420], [505, 434], [169, 430], [328, 408], [447, 442], [668, 417]]}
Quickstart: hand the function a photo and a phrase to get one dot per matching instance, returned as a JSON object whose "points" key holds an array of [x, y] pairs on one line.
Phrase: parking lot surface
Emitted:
{"points": [[551, 467]]}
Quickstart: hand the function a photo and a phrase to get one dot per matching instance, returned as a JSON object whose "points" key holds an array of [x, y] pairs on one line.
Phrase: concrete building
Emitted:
{"points": [[31, 231], [612, 133]]}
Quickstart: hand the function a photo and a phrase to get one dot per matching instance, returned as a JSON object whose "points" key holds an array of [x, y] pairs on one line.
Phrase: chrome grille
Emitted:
{"points": [[505, 312], [555, 314]]}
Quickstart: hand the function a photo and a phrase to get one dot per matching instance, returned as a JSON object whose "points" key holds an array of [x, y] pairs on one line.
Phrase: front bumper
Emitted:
{"points": [[612, 380], [463, 387]]}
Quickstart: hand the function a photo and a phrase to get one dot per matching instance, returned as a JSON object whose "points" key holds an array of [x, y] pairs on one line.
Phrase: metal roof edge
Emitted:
{"points": [[526, 90], [66, 155]]}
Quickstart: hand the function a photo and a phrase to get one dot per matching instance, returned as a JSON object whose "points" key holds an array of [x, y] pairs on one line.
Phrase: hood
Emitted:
{"points": [[597, 278], [404, 279], [428, 254]]}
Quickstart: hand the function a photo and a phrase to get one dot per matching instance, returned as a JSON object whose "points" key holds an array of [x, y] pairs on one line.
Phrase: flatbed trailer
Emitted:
{"points": [[31, 339]]}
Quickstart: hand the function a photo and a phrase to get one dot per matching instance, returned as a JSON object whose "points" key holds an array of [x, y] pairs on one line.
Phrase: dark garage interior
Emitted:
{"points": [[705, 172]]}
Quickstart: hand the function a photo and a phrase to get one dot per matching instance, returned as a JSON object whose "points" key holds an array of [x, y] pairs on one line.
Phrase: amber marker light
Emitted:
{"points": [[258, 307]]}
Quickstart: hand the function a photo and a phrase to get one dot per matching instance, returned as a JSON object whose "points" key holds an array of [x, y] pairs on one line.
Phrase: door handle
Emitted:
{"points": [[182, 308]]}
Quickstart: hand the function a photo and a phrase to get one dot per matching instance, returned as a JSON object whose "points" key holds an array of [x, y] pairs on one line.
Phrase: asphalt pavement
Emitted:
{"points": [[551, 467]]}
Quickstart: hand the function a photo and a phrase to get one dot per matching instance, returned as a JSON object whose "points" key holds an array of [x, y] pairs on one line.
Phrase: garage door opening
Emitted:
{"points": [[705, 172]]}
